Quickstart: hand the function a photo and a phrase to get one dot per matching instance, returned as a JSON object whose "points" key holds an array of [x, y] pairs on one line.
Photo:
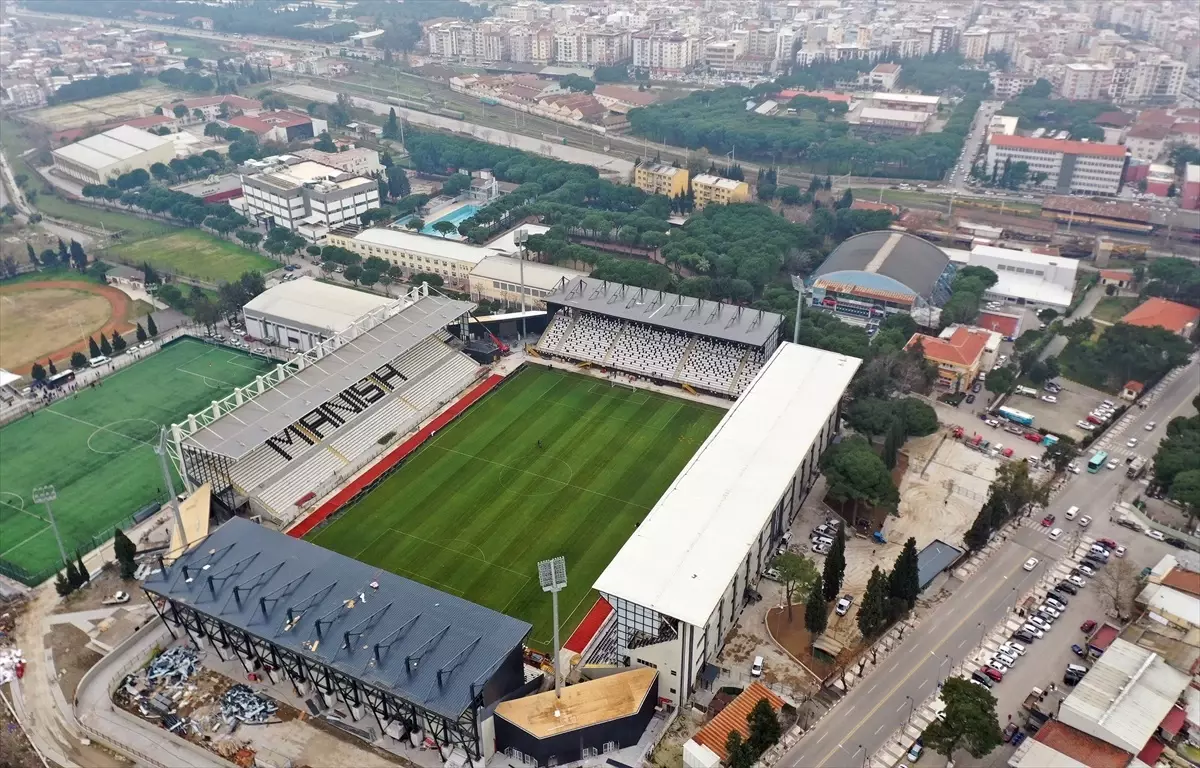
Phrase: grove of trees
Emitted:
{"points": [[96, 86], [1123, 353]]}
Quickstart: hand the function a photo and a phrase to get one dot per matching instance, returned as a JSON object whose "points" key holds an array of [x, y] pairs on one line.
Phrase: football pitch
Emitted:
{"points": [[96, 448], [475, 509]]}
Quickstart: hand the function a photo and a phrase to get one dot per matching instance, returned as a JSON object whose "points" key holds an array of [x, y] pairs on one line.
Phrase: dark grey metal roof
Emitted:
{"points": [[245, 428], [727, 322], [934, 559], [903, 257], [427, 647]]}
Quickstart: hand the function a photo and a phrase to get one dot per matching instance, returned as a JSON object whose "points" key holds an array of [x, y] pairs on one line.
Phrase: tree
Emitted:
{"points": [[37, 372], [1119, 583], [118, 342], [846, 200], [78, 360], [1061, 453], [74, 578], [84, 576], [391, 128], [33, 259], [790, 194], [180, 111], [970, 720], [1015, 490], [151, 328], [105, 346], [444, 228], [1002, 380], [796, 573], [415, 224], [250, 238], [51, 367], [835, 566], [977, 535], [738, 751], [854, 473], [93, 348], [78, 257], [397, 182], [353, 273], [62, 584], [816, 612], [368, 277], [872, 611], [764, 727], [125, 551], [140, 333], [435, 281], [904, 582], [325, 143]]}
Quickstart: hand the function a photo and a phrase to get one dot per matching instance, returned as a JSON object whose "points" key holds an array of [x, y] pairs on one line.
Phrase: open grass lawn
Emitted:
{"points": [[480, 504], [131, 227], [194, 254], [199, 47], [96, 448], [1110, 309]]}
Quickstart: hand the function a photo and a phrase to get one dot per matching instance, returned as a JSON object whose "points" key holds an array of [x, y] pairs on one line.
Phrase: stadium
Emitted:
{"points": [[876, 274], [666, 508]]}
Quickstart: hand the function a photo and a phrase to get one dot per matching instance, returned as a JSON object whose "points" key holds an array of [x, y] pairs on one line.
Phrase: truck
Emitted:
{"points": [[1038, 708], [1027, 391], [1019, 417], [1136, 467]]}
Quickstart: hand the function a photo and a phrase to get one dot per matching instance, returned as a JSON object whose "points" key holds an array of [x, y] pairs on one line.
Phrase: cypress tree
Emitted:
{"points": [[73, 575], [151, 328], [816, 616], [93, 349], [904, 584], [84, 576], [835, 566]]}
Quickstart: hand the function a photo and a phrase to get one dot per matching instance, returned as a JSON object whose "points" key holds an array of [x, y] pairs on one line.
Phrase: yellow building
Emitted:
{"points": [[714, 189], [450, 259], [958, 355], [661, 179]]}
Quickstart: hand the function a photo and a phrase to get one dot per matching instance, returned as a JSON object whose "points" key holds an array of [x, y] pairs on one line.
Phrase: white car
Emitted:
{"points": [[1049, 399], [1086, 569], [1034, 630], [1054, 534], [1085, 425], [998, 665], [1156, 535], [1112, 464], [843, 605], [771, 574], [1007, 659], [1077, 581], [1039, 622], [1050, 609], [1131, 442], [1151, 425], [1073, 467], [1119, 551], [1013, 648], [1085, 521], [1031, 563]]}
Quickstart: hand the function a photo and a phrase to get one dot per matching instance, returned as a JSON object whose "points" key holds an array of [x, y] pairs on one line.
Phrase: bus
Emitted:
{"points": [[59, 379], [1097, 462]]}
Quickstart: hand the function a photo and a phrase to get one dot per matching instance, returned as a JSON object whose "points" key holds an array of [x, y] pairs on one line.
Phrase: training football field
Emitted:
{"points": [[475, 509], [96, 448]]}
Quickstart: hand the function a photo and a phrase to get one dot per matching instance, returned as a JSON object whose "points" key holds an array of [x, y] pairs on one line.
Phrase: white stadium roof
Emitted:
{"points": [[113, 146], [309, 302], [682, 557]]}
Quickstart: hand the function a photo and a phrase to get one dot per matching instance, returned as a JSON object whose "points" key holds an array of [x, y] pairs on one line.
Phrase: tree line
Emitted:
{"points": [[95, 86], [1177, 463]]}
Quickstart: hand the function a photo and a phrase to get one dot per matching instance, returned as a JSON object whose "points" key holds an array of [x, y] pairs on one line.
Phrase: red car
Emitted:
{"points": [[1048, 521], [995, 674], [1087, 627], [1033, 437], [1107, 542]]}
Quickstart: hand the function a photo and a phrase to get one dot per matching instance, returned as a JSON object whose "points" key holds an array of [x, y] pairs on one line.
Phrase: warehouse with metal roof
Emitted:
{"points": [[874, 274], [677, 584], [302, 313], [401, 656], [106, 155]]}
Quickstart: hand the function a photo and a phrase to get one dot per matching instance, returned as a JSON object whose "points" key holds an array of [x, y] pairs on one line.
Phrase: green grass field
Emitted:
{"points": [[195, 254], [479, 505], [96, 447]]}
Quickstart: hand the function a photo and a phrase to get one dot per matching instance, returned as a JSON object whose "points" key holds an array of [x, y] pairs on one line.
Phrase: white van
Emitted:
{"points": [[1077, 669], [98, 361], [757, 667], [1072, 512]]}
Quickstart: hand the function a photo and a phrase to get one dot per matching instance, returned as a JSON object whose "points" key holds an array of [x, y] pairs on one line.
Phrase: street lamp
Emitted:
{"points": [[911, 705], [552, 575], [44, 494], [798, 284]]}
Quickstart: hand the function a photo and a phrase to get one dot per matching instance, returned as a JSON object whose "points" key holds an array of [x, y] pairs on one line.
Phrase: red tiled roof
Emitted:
{"points": [[247, 123], [1116, 274], [887, 68], [284, 118], [1134, 386], [590, 625], [1185, 129], [1065, 146], [1005, 325], [1115, 118], [1079, 746], [1160, 313], [733, 718], [1104, 637], [962, 348], [1153, 131], [626, 95], [1183, 580], [1173, 721]]}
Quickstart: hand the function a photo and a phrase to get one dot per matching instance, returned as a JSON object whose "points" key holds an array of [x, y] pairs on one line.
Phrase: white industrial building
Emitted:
{"points": [[302, 313], [308, 197], [451, 259], [1027, 278], [678, 584], [98, 158], [1070, 166]]}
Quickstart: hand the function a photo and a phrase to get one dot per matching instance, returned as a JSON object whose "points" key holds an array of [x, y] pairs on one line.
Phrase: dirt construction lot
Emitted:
{"points": [[53, 319], [103, 109]]}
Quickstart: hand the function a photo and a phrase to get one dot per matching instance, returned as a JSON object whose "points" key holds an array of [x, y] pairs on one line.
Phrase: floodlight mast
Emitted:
{"points": [[552, 574]]}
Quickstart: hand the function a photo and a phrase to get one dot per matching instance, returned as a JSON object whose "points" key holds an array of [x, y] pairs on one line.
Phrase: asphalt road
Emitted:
{"points": [[862, 722]]}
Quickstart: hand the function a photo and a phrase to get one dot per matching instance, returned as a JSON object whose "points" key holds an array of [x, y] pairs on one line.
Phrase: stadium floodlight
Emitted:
{"points": [[552, 575], [798, 285], [521, 237], [44, 494]]}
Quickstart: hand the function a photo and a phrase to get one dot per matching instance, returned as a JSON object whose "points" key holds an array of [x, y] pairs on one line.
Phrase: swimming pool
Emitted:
{"points": [[455, 217]]}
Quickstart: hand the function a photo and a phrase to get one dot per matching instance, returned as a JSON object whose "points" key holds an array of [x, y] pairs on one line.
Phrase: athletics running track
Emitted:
{"points": [[373, 473]]}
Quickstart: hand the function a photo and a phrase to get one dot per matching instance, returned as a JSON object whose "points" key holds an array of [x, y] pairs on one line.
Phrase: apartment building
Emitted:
{"points": [[1086, 81], [661, 179], [451, 39], [1070, 166], [213, 107], [1146, 141], [1007, 85], [308, 197], [720, 55], [709, 189], [882, 77], [974, 44], [361, 161], [665, 52], [25, 95], [942, 37]]}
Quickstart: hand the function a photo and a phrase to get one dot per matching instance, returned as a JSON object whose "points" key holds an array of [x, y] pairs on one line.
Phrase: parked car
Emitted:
{"points": [[979, 677], [756, 669], [1087, 570], [1024, 636], [1119, 551], [1050, 610], [993, 673], [1109, 543], [1077, 581], [1010, 730], [1034, 630], [914, 754], [1087, 626], [1067, 587], [1013, 649], [1007, 660], [1047, 521], [1150, 425], [1033, 437], [1049, 399], [1073, 467], [976, 387], [1078, 650], [1085, 521], [844, 604], [970, 399], [1176, 542], [1018, 738]]}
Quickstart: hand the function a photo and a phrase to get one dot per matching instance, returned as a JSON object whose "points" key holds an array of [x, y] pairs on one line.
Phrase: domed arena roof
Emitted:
{"points": [[891, 262]]}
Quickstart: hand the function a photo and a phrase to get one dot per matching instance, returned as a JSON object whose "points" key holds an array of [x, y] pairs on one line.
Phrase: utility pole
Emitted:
{"points": [[44, 494]]}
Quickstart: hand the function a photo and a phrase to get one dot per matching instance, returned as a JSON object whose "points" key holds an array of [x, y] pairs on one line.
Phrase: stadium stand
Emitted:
{"points": [[282, 444], [663, 336]]}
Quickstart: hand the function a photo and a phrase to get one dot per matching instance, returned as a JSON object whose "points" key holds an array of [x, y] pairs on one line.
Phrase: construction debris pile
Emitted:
{"points": [[243, 704], [173, 666]]}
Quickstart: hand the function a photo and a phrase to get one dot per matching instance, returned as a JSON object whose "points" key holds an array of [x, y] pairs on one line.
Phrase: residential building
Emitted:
{"points": [[450, 39], [1189, 197], [665, 52], [714, 189], [1070, 166], [106, 155], [942, 37], [21, 95], [450, 259], [957, 355], [720, 55], [498, 278], [974, 44], [1159, 179], [661, 179], [604, 47], [211, 107], [1161, 313], [1007, 85], [308, 197], [1086, 81], [1146, 141], [361, 161], [882, 77]]}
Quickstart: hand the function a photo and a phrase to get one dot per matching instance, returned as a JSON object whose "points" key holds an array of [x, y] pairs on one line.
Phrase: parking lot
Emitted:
{"points": [[1074, 402]]}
